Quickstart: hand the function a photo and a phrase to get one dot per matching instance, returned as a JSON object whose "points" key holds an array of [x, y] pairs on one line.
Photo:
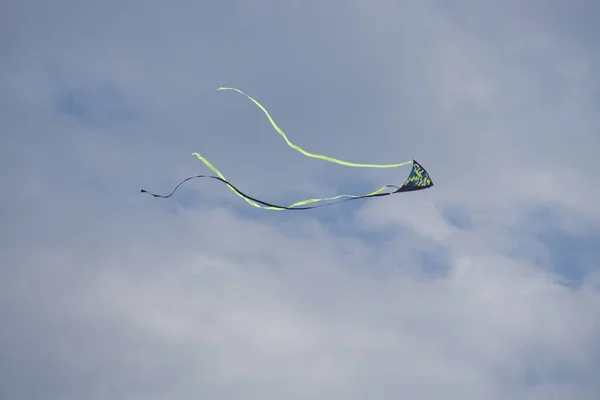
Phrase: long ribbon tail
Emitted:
{"points": [[269, 206], [313, 155]]}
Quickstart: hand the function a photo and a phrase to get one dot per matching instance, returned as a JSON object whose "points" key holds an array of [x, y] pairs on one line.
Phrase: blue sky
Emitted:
{"points": [[478, 289]]}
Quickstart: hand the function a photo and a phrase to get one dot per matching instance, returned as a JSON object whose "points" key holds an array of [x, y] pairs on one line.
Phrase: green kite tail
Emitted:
{"points": [[268, 206], [306, 153]]}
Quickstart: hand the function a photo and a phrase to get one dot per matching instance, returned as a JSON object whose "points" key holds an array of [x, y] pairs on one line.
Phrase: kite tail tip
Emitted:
{"points": [[152, 194], [231, 88]]}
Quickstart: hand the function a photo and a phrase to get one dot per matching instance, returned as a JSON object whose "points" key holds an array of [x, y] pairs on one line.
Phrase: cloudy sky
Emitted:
{"points": [[485, 287]]}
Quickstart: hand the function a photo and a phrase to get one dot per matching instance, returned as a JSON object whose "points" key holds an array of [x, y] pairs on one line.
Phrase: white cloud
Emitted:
{"points": [[109, 293]]}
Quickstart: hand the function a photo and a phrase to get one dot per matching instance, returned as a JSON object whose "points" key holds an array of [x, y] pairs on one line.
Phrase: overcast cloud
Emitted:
{"points": [[487, 287]]}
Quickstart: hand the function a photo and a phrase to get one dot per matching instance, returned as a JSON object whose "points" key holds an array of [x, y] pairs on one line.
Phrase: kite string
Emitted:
{"points": [[537, 368], [545, 380]]}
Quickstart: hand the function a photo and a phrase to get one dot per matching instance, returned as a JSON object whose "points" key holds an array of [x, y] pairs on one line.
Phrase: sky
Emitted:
{"points": [[487, 286]]}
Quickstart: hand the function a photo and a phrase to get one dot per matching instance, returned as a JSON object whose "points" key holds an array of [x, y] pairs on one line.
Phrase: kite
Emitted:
{"points": [[418, 179]]}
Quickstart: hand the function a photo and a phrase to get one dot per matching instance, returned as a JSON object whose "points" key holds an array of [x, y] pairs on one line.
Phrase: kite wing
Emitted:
{"points": [[417, 180]]}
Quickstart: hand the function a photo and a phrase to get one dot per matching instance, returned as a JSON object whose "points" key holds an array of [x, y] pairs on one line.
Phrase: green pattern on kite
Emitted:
{"points": [[418, 179]]}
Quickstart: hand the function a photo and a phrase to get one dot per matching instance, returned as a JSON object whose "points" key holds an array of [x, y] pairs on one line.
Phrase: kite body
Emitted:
{"points": [[418, 179]]}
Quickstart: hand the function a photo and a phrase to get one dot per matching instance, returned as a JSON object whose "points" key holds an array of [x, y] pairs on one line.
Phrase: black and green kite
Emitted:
{"points": [[417, 180]]}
